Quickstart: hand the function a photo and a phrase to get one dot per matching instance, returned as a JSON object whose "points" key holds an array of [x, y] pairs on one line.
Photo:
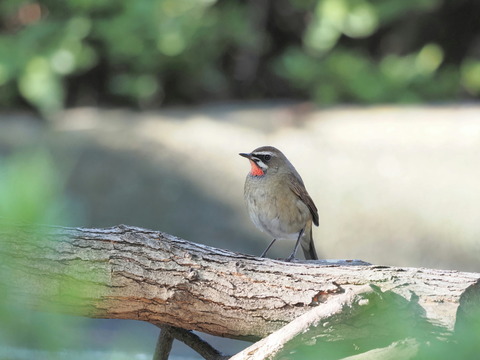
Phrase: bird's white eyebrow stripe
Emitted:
{"points": [[263, 153]]}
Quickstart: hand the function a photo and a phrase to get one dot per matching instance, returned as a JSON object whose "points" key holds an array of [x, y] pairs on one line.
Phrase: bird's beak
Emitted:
{"points": [[245, 155]]}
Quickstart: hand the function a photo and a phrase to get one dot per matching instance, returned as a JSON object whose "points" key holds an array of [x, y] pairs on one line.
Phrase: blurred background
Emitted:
{"points": [[148, 53], [118, 111]]}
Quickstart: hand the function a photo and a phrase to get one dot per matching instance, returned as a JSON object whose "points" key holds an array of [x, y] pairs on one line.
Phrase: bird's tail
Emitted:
{"points": [[308, 245]]}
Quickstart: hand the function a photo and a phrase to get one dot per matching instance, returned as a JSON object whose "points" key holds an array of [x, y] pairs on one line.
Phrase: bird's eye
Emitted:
{"points": [[267, 157]]}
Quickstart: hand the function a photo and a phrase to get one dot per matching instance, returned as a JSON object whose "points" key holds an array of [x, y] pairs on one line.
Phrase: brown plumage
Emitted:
{"points": [[277, 200]]}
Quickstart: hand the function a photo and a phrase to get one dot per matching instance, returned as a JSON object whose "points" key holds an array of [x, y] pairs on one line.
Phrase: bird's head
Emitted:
{"points": [[265, 159]]}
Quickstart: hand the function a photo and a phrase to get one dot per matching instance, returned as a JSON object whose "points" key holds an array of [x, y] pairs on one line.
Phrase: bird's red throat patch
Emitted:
{"points": [[256, 170]]}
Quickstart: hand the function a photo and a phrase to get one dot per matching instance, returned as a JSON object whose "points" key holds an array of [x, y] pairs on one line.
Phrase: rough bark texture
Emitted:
{"points": [[132, 273]]}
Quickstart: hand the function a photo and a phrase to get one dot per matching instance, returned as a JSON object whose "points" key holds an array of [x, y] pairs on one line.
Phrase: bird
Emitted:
{"points": [[278, 202]]}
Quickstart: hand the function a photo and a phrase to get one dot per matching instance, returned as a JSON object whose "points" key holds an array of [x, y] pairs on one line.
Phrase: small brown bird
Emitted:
{"points": [[278, 202]]}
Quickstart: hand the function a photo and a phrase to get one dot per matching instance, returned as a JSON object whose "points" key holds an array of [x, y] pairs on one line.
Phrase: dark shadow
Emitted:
{"points": [[111, 186]]}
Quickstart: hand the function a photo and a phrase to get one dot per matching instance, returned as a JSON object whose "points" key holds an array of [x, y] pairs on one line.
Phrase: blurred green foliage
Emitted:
{"points": [[30, 194], [386, 321], [31, 189], [149, 52]]}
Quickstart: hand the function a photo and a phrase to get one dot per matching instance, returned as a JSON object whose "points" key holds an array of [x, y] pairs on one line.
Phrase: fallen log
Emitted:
{"points": [[127, 272]]}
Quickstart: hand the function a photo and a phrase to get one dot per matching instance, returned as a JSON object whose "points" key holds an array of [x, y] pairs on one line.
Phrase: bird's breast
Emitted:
{"points": [[274, 208]]}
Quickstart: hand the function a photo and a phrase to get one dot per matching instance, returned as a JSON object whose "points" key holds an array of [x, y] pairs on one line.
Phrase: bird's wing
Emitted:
{"points": [[299, 189]]}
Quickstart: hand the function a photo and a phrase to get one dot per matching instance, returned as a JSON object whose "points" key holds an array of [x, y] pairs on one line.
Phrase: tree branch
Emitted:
{"points": [[164, 344], [196, 343], [331, 311]]}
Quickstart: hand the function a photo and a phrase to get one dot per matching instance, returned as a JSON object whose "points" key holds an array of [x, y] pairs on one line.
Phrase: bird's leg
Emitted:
{"points": [[268, 248], [292, 255]]}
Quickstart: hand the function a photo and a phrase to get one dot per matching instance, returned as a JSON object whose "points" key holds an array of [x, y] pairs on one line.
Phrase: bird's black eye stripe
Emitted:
{"points": [[264, 157]]}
